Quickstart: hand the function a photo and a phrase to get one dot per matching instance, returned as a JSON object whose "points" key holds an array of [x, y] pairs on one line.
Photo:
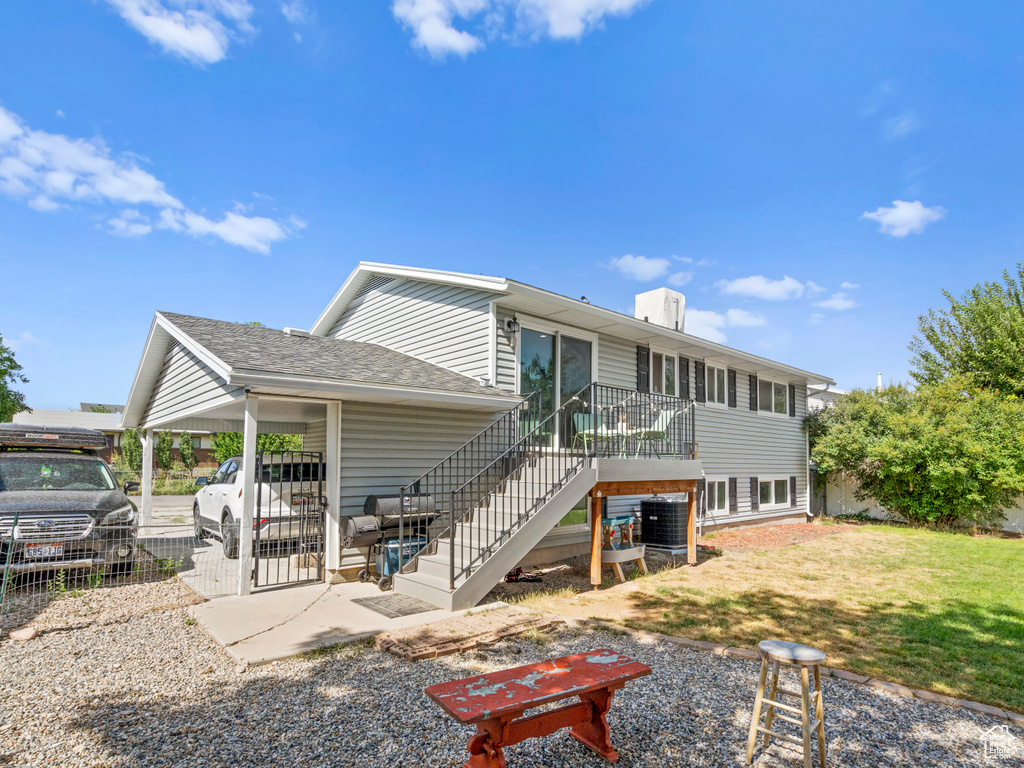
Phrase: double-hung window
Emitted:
{"points": [[717, 500], [773, 492], [772, 397], [716, 379], [663, 374]]}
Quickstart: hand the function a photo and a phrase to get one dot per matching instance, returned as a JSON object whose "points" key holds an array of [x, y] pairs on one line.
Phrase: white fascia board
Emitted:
{"points": [[355, 388], [654, 332], [142, 386], [365, 269], [219, 367], [225, 399]]}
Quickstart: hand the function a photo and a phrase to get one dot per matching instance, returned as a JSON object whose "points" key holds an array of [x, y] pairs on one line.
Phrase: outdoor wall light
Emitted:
{"points": [[512, 325]]}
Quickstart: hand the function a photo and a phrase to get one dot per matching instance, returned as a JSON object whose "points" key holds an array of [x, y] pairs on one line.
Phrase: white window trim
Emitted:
{"points": [[774, 505], [555, 329], [772, 412], [708, 480], [665, 354], [708, 366]]}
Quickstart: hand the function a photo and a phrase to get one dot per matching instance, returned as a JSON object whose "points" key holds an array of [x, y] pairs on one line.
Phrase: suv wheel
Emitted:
{"points": [[229, 536], [200, 531]]}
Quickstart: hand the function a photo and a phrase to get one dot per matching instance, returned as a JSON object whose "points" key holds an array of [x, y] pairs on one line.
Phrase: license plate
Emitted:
{"points": [[45, 550]]}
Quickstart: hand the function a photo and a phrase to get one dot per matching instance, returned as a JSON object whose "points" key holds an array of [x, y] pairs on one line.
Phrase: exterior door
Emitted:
{"points": [[557, 365], [575, 370]]}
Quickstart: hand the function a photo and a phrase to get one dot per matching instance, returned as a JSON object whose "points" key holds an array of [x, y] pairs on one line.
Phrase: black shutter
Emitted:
{"points": [[732, 388], [792, 400], [702, 495], [754, 495], [792, 490], [699, 393], [643, 368], [753, 392], [684, 378], [733, 503]]}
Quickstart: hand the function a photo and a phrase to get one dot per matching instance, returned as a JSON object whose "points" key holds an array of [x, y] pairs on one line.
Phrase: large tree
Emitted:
{"points": [[228, 444], [979, 336], [11, 401], [947, 452]]}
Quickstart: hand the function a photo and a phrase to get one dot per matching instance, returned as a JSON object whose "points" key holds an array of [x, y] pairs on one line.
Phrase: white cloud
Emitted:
{"points": [[708, 324], [905, 218], [837, 301], [849, 286], [296, 12], [813, 287], [60, 113], [130, 223], [640, 267], [683, 259], [760, 287], [432, 22], [815, 318], [21, 341], [199, 31], [901, 126], [740, 318], [46, 169], [679, 279]]}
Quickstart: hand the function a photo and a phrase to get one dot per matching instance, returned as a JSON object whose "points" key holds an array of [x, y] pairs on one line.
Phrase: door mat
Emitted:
{"points": [[461, 633], [395, 606]]}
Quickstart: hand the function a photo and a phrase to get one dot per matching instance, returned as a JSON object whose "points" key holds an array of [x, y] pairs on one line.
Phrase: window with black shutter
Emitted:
{"points": [[733, 501], [684, 378], [698, 382], [792, 400], [754, 494], [792, 490], [643, 369], [732, 388], [702, 495], [753, 392]]}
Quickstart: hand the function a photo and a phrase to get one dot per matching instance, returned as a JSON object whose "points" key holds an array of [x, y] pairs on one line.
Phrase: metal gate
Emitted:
{"points": [[289, 518]]}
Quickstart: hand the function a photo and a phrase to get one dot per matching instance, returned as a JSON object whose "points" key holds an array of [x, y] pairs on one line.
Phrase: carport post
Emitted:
{"points": [[146, 436], [332, 462], [248, 494]]}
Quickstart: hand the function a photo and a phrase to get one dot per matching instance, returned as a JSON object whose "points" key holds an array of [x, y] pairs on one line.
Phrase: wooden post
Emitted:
{"points": [[691, 525], [595, 539]]}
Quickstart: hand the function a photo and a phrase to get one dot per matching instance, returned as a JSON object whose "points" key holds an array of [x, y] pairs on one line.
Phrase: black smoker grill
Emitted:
{"points": [[379, 525], [663, 521]]}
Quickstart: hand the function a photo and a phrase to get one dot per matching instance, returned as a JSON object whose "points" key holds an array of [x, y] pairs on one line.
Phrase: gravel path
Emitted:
{"points": [[149, 688]]}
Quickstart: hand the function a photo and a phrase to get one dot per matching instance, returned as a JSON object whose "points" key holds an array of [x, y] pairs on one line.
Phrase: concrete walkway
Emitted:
{"points": [[285, 622]]}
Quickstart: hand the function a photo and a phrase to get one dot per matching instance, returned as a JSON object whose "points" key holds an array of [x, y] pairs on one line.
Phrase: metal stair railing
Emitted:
{"points": [[460, 467]]}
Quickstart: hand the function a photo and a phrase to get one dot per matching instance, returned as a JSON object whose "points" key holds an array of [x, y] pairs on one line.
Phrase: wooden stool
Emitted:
{"points": [[806, 658]]}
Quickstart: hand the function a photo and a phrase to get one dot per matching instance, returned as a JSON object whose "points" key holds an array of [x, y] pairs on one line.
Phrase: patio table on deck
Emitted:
{"points": [[495, 703]]}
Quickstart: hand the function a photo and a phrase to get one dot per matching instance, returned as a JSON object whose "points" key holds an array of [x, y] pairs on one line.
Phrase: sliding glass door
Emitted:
{"points": [[558, 365]]}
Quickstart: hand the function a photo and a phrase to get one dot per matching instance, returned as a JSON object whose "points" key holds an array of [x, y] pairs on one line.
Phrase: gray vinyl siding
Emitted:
{"points": [[315, 438], [385, 446], [740, 443], [185, 383], [505, 369], [445, 325]]}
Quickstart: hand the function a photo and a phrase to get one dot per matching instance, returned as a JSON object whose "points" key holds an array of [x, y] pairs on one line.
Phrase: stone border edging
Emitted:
{"points": [[751, 655]]}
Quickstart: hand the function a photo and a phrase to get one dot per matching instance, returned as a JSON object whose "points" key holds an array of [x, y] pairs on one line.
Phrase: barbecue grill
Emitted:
{"points": [[377, 529]]}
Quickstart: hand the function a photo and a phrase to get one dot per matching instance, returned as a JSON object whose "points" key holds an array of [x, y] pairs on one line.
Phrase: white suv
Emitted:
{"points": [[291, 504]]}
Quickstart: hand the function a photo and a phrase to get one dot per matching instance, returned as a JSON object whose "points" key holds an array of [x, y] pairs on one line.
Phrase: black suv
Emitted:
{"points": [[62, 503]]}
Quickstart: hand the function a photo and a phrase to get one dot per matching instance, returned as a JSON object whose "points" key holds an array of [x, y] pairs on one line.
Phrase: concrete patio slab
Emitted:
{"points": [[281, 623]]}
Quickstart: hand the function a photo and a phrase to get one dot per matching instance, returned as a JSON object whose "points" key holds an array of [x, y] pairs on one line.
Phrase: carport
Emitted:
{"points": [[403, 414]]}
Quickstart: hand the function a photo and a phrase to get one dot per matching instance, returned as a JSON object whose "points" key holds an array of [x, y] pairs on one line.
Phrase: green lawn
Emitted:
{"points": [[931, 610]]}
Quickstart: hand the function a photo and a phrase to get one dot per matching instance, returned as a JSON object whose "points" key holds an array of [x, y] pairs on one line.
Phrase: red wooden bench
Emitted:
{"points": [[495, 702]]}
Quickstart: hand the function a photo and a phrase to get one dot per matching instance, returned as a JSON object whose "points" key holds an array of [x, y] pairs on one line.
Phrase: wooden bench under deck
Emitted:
{"points": [[496, 703]]}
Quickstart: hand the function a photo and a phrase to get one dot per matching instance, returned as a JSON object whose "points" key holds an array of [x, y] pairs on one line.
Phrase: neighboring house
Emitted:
{"points": [[405, 366], [108, 421], [822, 396]]}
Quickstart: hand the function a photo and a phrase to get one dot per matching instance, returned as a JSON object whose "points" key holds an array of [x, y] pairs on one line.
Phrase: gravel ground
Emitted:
{"points": [[144, 686]]}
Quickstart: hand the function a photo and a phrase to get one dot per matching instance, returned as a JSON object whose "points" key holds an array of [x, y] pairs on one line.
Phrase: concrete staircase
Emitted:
{"points": [[498, 533]]}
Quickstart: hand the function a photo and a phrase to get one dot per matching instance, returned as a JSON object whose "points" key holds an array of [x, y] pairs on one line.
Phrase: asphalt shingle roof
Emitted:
{"points": [[254, 348]]}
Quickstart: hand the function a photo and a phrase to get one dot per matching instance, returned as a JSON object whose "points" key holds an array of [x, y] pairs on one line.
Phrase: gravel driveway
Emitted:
{"points": [[130, 680]]}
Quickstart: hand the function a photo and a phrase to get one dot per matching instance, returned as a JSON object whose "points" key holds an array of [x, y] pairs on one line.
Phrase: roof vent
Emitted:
{"points": [[297, 332]]}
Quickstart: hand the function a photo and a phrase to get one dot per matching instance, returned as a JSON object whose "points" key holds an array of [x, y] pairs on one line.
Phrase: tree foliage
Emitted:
{"points": [[188, 456], [131, 450], [228, 444], [980, 336], [11, 401], [163, 447], [951, 451]]}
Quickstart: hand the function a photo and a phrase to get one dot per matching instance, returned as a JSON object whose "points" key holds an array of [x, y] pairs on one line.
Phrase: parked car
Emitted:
{"points": [[290, 509], [60, 501]]}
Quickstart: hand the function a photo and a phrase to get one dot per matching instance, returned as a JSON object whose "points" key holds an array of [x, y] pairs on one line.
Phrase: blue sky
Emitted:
{"points": [[811, 176]]}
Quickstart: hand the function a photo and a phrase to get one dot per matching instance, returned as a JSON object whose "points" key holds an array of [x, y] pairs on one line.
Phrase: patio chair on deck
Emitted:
{"points": [[591, 431], [655, 433]]}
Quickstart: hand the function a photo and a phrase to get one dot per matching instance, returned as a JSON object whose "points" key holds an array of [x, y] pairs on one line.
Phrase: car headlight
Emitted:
{"points": [[125, 514]]}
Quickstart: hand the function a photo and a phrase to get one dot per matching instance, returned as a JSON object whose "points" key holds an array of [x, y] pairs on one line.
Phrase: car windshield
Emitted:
{"points": [[29, 472]]}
